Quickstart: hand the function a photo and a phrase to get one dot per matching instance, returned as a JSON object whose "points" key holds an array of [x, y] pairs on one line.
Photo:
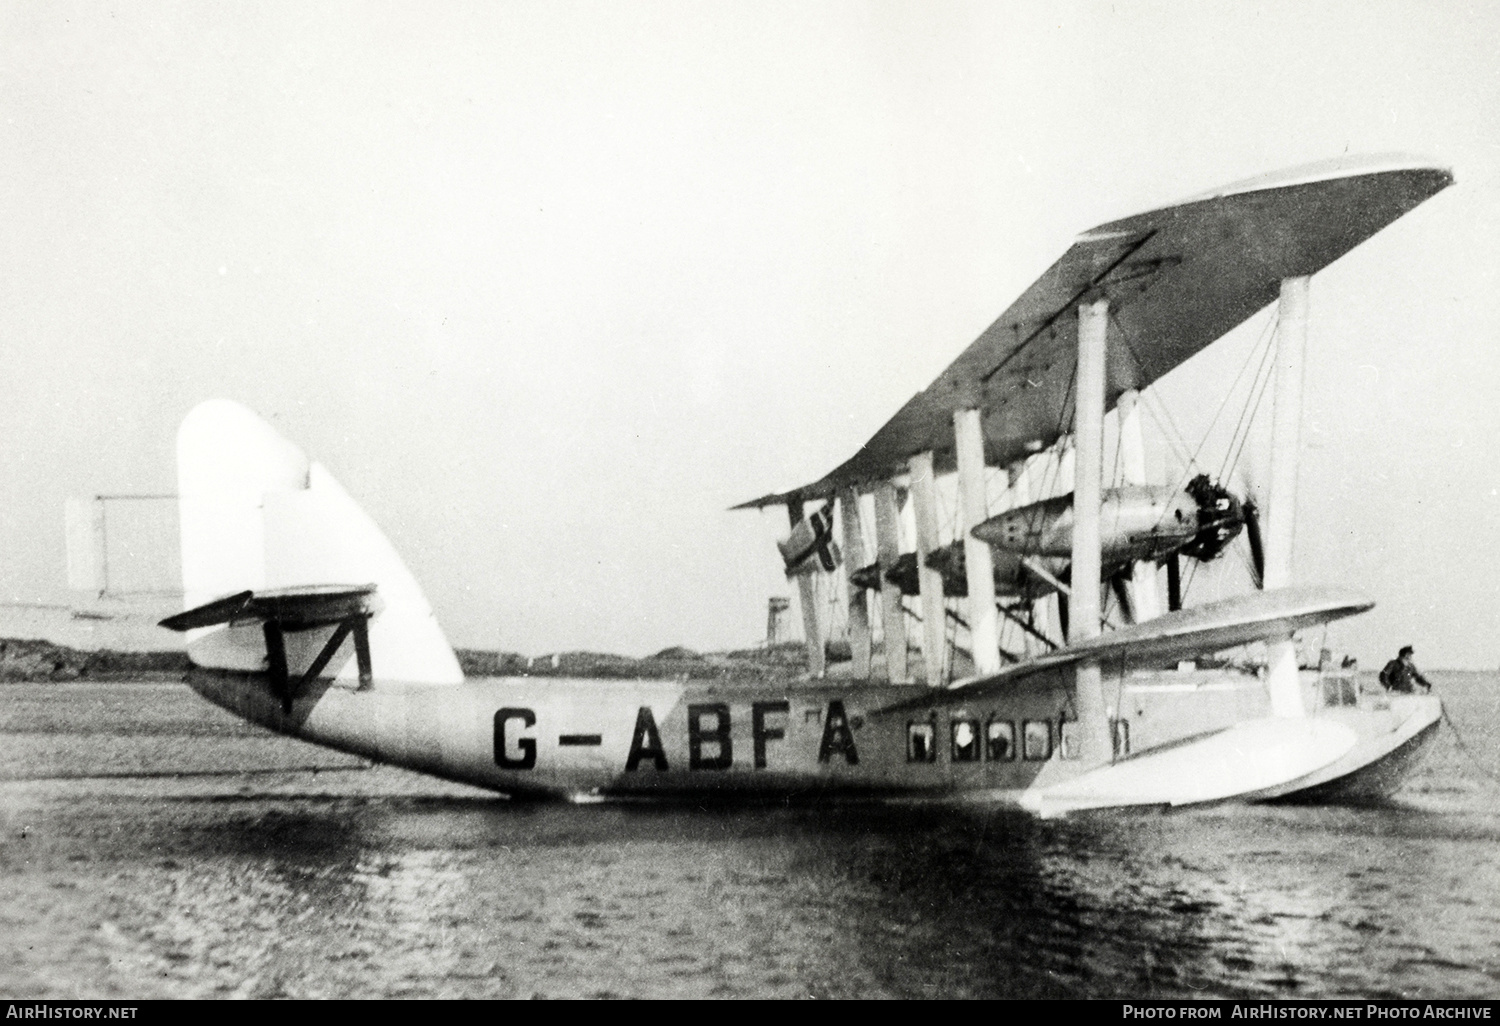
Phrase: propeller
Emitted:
{"points": [[1221, 515], [1220, 518], [1247, 480], [1257, 547]]}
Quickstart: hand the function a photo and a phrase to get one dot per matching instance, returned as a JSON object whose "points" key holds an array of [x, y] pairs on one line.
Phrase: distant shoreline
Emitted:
{"points": [[34, 661], [27, 660]]}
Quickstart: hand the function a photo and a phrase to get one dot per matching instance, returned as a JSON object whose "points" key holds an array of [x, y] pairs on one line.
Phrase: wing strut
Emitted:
{"points": [[1088, 473], [1286, 432]]}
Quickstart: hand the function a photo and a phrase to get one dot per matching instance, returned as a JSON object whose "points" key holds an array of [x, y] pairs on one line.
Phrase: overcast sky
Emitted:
{"points": [[549, 286]]}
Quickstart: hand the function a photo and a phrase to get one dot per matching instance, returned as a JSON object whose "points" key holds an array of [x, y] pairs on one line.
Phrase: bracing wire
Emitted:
{"points": [[1163, 416], [1258, 386], [1223, 405], [1165, 425], [1117, 472], [951, 644], [1241, 431], [1054, 468], [947, 517]]}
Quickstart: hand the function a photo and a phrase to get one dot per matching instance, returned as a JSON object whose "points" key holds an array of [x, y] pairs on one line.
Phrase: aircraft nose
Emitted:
{"points": [[985, 531], [1004, 531]]}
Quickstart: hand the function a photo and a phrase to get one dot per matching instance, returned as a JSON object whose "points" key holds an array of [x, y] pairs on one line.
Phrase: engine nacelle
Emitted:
{"points": [[1136, 522], [1012, 579]]}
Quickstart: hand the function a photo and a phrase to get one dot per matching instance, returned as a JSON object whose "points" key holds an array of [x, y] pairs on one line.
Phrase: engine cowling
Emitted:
{"points": [[1136, 523]]}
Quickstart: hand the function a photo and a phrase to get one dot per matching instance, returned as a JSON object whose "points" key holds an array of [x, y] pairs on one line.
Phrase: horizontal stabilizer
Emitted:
{"points": [[228, 609], [292, 609], [1179, 635]]}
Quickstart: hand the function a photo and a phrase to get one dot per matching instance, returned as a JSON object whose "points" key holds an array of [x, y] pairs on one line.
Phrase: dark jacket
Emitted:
{"points": [[1402, 677]]}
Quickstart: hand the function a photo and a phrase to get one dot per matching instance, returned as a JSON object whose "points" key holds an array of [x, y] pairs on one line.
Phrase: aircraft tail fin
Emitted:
{"points": [[258, 516]]}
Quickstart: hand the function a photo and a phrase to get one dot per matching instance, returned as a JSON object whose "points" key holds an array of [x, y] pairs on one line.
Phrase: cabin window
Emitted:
{"points": [[965, 740], [921, 742], [1119, 730], [1339, 691], [1037, 737], [1069, 740], [1000, 741]]}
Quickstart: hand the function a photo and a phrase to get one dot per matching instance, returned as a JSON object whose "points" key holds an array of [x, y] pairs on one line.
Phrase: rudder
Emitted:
{"points": [[257, 514]]}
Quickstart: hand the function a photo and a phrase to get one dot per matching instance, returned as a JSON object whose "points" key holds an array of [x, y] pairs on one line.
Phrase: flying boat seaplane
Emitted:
{"points": [[301, 617]]}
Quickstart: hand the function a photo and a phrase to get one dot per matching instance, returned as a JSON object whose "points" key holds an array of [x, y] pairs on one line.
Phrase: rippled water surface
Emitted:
{"points": [[301, 874]]}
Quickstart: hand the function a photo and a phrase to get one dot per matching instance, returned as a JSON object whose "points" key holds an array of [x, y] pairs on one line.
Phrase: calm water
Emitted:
{"points": [[303, 875]]}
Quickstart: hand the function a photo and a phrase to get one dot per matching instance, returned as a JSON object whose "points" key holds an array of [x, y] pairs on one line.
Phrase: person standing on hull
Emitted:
{"points": [[1401, 674]]}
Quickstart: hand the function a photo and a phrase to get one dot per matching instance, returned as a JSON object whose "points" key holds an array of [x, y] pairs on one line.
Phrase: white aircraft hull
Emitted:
{"points": [[1392, 737], [1354, 755], [582, 739]]}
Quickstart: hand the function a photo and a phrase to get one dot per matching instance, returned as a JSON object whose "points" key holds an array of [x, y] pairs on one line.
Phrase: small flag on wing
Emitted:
{"points": [[811, 547]]}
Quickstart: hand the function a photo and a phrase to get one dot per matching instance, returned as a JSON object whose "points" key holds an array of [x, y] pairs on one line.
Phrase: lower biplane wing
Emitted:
{"points": [[1176, 278], [1199, 630]]}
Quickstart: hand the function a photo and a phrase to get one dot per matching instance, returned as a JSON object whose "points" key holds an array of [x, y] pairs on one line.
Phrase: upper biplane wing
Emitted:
{"points": [[1177, 279], [1187, 632]]}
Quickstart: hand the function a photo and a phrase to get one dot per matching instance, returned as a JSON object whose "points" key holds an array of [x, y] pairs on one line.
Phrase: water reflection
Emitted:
{"points": [[449, 897], [368, 885]]}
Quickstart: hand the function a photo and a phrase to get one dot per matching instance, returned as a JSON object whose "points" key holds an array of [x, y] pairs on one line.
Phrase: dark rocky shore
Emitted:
{"points": [[25, 660]]}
